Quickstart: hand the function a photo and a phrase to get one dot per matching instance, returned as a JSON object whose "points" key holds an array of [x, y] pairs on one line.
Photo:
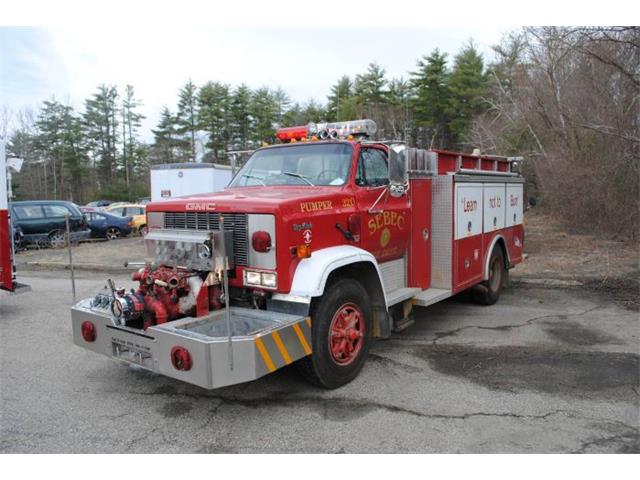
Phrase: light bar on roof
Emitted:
{"points": [[344, 129], [337, 130]]}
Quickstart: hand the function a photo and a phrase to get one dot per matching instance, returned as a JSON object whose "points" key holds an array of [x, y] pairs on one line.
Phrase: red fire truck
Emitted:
{"points": [[7, 268], [319, 244]]}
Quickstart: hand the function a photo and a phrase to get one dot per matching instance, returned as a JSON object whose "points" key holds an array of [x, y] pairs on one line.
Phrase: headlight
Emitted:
{"points": [[260, 279], [269, 280], [252, 278]]}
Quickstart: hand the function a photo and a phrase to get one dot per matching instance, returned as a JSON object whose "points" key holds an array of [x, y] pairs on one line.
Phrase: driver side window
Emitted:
{"points": [[373, 170]]}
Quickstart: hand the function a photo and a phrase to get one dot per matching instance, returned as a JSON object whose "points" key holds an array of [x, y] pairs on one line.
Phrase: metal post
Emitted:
{"points": [[225, 283], [73, 276]]}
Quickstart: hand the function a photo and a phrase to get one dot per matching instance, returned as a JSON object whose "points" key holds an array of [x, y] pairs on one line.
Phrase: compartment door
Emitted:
{"points": [[514, 205], [494, 207], [467, 266], [468, 210]]}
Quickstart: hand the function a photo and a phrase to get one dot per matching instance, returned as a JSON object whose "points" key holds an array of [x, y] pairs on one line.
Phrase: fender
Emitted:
{"points": [[311, 275], [487, 257]]}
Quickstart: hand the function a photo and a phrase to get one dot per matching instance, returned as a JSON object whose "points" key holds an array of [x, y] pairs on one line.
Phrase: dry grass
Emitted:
{"points": [[553, 252]]}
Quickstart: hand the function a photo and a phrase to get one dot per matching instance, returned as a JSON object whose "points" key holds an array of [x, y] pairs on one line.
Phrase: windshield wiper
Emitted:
{"points": [[298, 175], [255, 178]]}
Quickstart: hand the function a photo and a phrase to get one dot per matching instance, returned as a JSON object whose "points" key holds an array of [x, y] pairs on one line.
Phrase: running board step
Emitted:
{"points": [[401, 295], [430, 296]]}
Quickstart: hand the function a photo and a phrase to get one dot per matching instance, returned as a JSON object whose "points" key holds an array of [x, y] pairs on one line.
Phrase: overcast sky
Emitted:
{"points": [[37, 63]]}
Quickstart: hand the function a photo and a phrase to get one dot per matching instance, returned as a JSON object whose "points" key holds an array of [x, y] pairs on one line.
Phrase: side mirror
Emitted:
{"points": [[397, 170]]}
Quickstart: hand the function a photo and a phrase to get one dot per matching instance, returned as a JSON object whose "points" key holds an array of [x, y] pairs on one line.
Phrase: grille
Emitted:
{"points": [[234, 222]]}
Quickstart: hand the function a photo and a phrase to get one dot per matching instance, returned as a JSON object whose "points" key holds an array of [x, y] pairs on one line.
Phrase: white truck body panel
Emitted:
{"points": [[468, 210], [494, 207], [177, 180], [514, 204]]}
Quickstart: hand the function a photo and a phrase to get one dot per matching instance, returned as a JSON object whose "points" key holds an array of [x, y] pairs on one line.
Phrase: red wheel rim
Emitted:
{"points": [[346, 334]]}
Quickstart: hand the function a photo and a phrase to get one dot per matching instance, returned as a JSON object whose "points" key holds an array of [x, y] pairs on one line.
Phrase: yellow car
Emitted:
{"points": [[131, 210]]}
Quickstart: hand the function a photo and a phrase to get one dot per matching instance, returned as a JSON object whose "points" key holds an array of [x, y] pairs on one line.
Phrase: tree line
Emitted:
{"points": [[564, 98]]}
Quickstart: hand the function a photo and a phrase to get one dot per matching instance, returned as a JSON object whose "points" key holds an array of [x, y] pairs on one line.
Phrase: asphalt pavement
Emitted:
{"points": [[547, 369]]}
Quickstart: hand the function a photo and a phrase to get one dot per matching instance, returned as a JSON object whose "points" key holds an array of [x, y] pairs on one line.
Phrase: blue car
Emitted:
{"points": [[105, 225]]}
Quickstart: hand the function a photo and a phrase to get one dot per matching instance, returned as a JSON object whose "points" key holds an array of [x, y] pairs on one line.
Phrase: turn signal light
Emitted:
{"points": [[180, 358], [88, 330], [303, 251], [261, 241], [292, 133]]}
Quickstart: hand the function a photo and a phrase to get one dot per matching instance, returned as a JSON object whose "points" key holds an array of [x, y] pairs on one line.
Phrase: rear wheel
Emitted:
{"points": [[488, 292], [57, 239], [142, 230], [112, 233], [341, 335]]}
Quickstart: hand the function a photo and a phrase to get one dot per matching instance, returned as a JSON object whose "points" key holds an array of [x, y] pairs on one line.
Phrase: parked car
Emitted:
{"points": [[105, 225], [43, 221], [99, 203], [131, 210]]}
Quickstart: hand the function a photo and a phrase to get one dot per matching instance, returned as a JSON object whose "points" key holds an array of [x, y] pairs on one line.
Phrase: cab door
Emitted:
{"points": [[385, 220]]}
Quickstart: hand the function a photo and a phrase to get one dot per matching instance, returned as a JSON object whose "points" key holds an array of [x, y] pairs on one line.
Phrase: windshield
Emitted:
{"points": [[320, 164]]}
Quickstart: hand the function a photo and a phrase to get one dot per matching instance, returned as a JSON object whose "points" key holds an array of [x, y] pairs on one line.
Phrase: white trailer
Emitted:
{"points": [[179, 179]]}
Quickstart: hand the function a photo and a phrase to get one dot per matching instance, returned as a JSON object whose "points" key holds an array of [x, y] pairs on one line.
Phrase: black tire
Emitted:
{"points": [[321, 367], [112, 233], [57, 239], [142, 231], [488, 292]]}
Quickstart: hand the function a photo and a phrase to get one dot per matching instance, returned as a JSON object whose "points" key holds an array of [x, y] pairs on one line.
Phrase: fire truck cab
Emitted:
{"points": [[318, 245]]}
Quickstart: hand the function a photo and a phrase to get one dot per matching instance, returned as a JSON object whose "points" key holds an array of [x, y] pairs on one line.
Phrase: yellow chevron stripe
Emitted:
{"points": [[281, 347], [265, 355], [303, 341]]}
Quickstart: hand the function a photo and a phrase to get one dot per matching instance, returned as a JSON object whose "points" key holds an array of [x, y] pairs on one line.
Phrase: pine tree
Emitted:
{"points": [[282, 101], [264, 113], [467, 86], [75, 156], [341, 92], [431, 101], [131, 121], [214, 117], [240, 118], [370, 87], [311, 111], [101, 124], [167, 146], [59, 141], [397, 115], [188, 115]]}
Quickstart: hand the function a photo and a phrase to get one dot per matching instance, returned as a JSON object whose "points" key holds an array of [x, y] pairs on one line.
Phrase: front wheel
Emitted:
{"points": [[341, 335]]}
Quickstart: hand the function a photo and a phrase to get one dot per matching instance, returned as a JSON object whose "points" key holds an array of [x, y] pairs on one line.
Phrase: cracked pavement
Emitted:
{"points": [[544, 370]]}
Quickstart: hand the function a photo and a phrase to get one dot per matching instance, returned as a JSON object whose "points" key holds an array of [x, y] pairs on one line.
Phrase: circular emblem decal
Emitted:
{"points": [[307, 235], [385, 237], [180, 174]]}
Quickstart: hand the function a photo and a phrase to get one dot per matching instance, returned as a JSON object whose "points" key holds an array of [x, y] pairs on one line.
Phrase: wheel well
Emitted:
{"points": [[366, 274], [505, 254]]}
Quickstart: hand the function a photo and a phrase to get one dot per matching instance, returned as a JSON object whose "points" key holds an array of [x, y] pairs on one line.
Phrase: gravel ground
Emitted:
{"points": [[547, 369]]}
